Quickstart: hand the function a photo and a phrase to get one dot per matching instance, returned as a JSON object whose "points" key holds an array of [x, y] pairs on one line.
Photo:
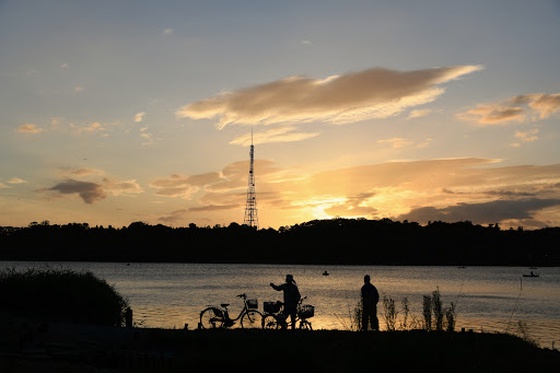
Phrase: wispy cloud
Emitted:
{"points": [[29, 128], [396, 142], [12, 181], [519, 109], [273, 135], [16, 180], [418, 113], [526, 136], [352, 97]]}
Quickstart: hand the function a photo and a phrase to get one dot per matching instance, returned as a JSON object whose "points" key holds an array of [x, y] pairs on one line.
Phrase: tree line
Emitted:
{"points": [[330, 241]]}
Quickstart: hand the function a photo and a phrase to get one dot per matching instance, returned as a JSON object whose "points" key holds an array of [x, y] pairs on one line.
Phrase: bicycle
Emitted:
{"points": [[214, 317], [274, 318]]}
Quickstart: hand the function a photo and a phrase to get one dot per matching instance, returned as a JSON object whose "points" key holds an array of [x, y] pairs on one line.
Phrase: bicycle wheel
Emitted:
{"points": [[270, 322], [305, 325], [252, 319], [211, 318]]}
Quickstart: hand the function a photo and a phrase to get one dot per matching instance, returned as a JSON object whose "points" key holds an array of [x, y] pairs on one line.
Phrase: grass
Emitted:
{"points": [[75, 348]]}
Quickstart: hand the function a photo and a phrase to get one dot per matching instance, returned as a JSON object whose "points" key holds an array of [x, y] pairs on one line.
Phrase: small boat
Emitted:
{"points": [[325, 273], [532, 274]]}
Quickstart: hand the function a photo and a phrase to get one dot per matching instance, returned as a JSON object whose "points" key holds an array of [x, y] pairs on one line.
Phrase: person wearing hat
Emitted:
{"points": [[291, 298]]}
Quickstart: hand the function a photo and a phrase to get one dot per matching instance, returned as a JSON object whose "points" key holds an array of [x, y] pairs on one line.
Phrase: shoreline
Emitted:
{"points": [[57, 347]]}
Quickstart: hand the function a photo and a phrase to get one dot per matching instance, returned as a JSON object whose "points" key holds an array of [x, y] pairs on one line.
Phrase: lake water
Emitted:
{"points": [[489, 299]]}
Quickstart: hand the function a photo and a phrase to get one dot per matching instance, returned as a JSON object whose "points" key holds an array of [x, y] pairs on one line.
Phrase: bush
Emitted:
{"points": [[61, 295]]}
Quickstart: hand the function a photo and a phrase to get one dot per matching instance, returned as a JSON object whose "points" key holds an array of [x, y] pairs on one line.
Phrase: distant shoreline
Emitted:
{"points": [[323, 242]]}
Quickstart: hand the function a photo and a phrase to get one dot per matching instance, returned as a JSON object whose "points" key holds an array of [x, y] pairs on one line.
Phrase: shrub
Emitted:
{"points": [[61, 295]]}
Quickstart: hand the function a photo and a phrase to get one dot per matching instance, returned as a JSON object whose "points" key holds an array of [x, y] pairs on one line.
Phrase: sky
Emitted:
{"points": [[114, 112]]}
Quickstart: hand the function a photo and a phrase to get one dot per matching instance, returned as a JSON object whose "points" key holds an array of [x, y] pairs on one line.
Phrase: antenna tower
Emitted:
{"points": [[251, 218]]}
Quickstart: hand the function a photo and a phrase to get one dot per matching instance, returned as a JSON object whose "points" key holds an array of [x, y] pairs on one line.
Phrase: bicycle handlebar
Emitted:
{"points": [[241, 295]]}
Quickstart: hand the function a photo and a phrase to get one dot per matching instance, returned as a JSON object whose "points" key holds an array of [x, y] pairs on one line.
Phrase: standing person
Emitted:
{"points": [[291, 298], [370, 297]]}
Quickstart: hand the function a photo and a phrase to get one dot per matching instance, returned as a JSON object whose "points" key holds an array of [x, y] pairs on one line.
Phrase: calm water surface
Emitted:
{"points": [[490, 299]]}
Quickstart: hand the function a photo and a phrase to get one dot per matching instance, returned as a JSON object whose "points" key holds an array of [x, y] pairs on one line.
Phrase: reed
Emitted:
{"points": [[390, 313], [427, 311]]}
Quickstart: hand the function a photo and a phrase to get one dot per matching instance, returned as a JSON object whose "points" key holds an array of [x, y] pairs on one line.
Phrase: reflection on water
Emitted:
{"points": [[491, 299]]}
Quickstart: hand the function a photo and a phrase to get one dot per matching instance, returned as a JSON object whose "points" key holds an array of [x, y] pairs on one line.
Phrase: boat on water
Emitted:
{"points": [[325, 273], [531, 274]]}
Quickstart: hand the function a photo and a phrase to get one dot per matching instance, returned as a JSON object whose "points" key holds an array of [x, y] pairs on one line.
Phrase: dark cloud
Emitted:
{"points": [[89, 192], [484, 213]]}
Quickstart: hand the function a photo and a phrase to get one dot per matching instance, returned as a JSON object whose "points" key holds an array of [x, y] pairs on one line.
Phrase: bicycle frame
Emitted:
{"points": [[241, 313], [215, 317]]}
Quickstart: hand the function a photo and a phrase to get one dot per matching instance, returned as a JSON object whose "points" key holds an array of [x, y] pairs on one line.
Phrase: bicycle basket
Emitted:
{"points": [[272, 307], [252, 303], [306, 311]]}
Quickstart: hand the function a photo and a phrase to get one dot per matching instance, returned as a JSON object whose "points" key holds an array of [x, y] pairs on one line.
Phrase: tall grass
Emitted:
{"points": [[390, 313], [61, 295], [434, 315]]}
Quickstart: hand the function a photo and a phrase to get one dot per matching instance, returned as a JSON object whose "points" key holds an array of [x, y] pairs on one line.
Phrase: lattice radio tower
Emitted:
{"points": [[251, 218]]}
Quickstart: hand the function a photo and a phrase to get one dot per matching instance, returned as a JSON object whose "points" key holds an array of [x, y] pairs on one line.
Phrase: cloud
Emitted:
{"points": [[215, 190], [29, 128], [355, 206], [527, 136], [418, 113], [80, 172], [352, 97], [91, 128], [396, 142], [273, 135], [16, 180], [519, 109], [168, 31], [183, 186], [125, 187], [492, 212], [89, 192], [139, 117]]}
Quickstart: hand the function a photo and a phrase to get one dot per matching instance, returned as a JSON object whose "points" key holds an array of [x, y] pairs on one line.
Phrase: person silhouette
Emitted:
{"points": [[291, 298], [370, 298]]}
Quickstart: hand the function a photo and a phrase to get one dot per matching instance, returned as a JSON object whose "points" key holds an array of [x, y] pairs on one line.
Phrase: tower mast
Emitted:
{"points": [[251, 218]]}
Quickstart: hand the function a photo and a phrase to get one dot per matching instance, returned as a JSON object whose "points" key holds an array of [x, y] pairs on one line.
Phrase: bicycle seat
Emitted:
{"points": [[224, 304]]}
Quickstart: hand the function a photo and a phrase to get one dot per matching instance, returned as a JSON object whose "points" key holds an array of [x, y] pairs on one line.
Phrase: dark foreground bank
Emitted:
{"points": [[70, 348]]}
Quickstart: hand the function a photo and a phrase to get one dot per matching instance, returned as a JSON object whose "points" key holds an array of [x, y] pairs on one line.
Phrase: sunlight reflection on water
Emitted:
{"points": [[491, 299]]}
